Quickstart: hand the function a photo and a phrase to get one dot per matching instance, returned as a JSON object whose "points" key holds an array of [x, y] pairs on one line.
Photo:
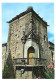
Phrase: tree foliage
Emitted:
{"points": [[50, 72], [8, 71]]}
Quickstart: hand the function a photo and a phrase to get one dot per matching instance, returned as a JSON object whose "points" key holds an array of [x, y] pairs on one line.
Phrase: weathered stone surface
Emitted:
{"points": [[4, 51], [36, 36]]}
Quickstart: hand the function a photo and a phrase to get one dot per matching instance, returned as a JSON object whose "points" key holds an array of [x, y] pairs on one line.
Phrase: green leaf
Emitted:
{"points": [[47, 75]]}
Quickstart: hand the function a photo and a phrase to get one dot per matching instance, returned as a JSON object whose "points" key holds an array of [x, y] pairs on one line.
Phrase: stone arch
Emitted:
{"points": [[30, 55], [30, 49], [28, 44]]}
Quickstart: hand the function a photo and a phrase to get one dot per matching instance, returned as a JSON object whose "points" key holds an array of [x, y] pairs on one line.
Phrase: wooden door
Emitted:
{"points": [[31, 55]]}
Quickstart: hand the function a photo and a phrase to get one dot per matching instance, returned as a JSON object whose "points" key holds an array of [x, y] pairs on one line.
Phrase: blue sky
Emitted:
{"points": [[10, 10]]}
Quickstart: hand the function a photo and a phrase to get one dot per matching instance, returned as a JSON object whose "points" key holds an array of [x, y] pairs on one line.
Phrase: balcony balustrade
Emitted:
{"points": [[29, 61]]}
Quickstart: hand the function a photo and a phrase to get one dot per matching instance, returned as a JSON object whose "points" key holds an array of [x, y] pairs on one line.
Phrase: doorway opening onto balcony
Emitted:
{"points": [[31, 53]]}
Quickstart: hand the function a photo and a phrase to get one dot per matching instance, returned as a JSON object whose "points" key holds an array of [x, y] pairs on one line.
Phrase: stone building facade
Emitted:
{"points": [[28, 44], [4, 51]]}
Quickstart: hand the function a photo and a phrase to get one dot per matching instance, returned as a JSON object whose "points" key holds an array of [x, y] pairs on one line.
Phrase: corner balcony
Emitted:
{"points": [[29, 62]]}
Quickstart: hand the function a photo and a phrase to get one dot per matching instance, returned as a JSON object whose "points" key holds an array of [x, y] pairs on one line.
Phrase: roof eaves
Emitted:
{"points": [[25, 12]]}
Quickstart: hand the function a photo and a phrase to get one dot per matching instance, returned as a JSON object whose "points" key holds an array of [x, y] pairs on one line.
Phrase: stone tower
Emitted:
{"points": [[28, 44]]}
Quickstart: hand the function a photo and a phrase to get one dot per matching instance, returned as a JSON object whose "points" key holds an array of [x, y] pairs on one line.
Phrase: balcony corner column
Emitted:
{"points": [[23, 39]]}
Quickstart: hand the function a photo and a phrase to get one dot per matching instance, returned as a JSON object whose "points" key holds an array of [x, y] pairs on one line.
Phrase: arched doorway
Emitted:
{"points": [[31, 52]]}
